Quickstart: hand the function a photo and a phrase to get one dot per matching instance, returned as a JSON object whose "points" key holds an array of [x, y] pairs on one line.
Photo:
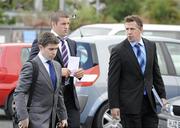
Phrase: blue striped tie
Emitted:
{"points": [[140, 58]]}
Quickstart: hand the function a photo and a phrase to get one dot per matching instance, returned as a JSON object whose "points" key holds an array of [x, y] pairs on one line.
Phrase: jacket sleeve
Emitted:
{"points": [[21, 91], [61, 109], [114, 80], [34, 49]]}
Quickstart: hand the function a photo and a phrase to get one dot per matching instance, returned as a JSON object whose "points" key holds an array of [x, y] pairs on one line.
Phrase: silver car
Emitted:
{"points": [[94, 53], [170, 115]]}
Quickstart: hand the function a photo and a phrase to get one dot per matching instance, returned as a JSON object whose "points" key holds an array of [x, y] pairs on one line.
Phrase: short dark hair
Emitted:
{"points": [[47, 38], [54, 17], [135, 18]]}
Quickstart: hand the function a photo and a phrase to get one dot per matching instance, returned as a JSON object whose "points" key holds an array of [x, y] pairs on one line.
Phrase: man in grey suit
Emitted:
{"points": [[60, 22], [47, 101]]}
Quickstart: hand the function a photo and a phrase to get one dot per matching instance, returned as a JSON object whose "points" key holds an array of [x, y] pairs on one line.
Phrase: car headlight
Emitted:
{"points": [[168, 109]]}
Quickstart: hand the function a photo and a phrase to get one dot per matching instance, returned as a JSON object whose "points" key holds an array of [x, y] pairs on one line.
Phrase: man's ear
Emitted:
{"points": [[40, 46]]}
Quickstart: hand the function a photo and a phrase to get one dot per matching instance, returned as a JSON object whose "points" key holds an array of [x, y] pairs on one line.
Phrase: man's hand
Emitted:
{"points": [[164, 101], [115, 113], [79, 73], [63, 124], [24, 123], [66, 72]]}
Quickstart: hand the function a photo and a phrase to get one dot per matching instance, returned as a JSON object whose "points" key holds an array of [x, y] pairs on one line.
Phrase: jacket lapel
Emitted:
{"points": [[71, 47], [132, 55], [43, 70], [147, 49], [58, 76]]}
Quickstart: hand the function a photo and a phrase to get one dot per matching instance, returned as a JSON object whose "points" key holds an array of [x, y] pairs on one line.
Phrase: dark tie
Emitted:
{"points": [[52, 73], [64, 53], [140, 58]]}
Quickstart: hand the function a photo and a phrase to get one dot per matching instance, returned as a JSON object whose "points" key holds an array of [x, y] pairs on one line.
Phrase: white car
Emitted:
{"points": [[171, 31]]}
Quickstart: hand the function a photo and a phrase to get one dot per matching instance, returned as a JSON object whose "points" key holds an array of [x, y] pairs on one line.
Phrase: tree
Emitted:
{"points": [[161, 11], [121, 8]]}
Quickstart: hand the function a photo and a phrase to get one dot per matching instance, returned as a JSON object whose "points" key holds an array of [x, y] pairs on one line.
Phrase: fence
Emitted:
{"points": [[20, 33]]}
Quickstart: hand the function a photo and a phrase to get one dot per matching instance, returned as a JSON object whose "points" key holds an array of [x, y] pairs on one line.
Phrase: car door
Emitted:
{"points": [[174, 52], [167, 69]]}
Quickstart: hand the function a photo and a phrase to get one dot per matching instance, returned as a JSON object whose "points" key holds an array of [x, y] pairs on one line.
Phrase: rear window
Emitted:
{"points": [[88, 55], [169, 34]]}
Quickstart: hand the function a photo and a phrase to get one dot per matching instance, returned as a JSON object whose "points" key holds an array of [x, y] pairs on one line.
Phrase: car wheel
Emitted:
{"points": [[10, 107], [103, 118]]}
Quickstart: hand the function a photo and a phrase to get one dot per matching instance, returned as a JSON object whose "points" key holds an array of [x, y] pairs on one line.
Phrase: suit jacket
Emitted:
{"points": [[46, 102], [126, 81], [70, 95]]}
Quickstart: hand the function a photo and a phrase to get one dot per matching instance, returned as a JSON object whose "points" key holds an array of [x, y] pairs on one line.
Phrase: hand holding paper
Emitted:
{"points": [[73, 64]]}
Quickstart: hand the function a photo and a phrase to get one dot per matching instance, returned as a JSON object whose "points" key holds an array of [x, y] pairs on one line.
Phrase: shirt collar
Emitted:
{"points": [[140, 42], [61, 38], [42, 58]]}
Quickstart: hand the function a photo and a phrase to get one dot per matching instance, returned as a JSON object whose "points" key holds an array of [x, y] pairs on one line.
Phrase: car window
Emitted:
{"points": [[25, 52], [174, 51], [161, 60], [88, 55], [122, 32], [169, 34]]}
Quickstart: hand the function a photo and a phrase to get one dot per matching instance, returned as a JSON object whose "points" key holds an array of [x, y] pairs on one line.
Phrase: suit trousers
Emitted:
{"points": [[72, 111], [146, 119]]}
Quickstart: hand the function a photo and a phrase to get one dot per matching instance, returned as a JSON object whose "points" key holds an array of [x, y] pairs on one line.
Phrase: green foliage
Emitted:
{"points": [[50, 5], [161, 11], [87, 15], [121, 8]]}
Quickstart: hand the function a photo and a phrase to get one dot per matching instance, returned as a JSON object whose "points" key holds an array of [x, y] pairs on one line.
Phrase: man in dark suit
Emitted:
{"points": [[60, 27], [133, 70], [47, 98]]}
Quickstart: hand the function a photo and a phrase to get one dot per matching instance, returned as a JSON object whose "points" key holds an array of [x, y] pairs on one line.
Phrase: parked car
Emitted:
{"points": [[170, 115], [12, 57], [92, 89], [171, 31]]}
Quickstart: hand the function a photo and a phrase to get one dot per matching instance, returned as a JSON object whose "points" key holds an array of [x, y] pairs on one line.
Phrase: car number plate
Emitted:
{"points": [[173, 123]]}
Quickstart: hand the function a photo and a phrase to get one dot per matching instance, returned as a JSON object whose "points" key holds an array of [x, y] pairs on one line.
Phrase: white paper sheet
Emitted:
{"points": [[157, 96], [73, 64]]}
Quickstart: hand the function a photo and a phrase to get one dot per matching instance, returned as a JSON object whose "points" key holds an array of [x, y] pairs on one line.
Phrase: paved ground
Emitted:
{"points": [[4, 121]]}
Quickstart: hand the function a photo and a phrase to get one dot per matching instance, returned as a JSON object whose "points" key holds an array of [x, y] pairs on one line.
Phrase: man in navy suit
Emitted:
{"points": [[133, 70], [59, 27]]}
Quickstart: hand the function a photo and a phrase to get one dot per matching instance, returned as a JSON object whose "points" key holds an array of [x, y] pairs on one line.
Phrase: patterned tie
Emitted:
{"points": [[64, 53], [140, 58], [52, 73]]}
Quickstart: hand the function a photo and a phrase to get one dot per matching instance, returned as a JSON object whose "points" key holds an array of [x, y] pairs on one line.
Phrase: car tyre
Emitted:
{"points": [[10, 106], [99, 119]]}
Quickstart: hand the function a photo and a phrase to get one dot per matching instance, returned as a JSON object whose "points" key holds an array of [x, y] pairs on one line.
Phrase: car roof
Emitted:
{"points": [[120, 26], [117, 38]]}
